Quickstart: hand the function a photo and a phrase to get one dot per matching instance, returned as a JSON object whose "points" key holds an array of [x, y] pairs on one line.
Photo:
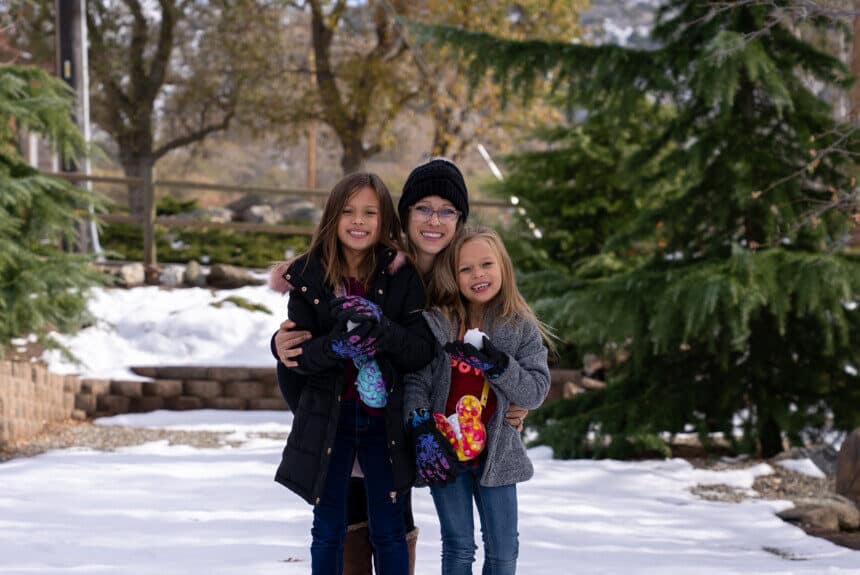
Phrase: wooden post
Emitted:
{"points": [[150, 263], [312, 130], [854, 96]]}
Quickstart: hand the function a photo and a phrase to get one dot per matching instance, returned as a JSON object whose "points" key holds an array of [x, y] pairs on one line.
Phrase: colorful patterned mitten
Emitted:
{"points": [[354, 343], [355, 308], [434, 460], [370, 384], [490, 360], [464, 429]]}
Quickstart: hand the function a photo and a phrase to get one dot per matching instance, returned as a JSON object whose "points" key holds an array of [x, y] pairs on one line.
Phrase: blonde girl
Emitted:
{"points": [[456, 405]]}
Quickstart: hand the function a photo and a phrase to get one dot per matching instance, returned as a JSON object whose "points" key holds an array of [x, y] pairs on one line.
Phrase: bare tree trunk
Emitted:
{"points": [[137, 165], [353, 157]]}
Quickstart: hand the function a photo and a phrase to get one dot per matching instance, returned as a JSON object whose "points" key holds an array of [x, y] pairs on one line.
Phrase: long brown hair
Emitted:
{"points": [[505, 306], [325, 242]]}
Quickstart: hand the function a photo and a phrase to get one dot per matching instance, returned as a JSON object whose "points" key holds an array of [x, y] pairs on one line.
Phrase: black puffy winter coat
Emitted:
{"points": [[314, 389]]}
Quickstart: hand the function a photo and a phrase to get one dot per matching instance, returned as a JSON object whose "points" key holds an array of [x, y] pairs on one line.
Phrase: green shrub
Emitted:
{"points": [[256, 250]]}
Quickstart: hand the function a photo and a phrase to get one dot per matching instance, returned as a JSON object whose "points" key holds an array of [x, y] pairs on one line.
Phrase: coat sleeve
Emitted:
{"points": [[290, 383], [410, 344], [418, 386], [314, 357], [526, 380]]}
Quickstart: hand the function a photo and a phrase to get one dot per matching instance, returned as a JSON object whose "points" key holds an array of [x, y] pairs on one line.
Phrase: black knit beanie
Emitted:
{"points": [[435, 178]]}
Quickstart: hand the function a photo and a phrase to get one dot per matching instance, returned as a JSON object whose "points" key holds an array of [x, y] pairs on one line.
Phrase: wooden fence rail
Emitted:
{"points": [[148, 220]]}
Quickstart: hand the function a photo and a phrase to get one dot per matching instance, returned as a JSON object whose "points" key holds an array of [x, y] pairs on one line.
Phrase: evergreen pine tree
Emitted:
{"points": [[41, 286], [735, 304]]}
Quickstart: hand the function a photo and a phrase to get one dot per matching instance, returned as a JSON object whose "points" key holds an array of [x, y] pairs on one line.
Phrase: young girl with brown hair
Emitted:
{"points": [[361, 302]]}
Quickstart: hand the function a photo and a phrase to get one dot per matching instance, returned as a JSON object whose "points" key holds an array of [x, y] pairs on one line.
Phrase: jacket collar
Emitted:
{"points": [[307, 269]]}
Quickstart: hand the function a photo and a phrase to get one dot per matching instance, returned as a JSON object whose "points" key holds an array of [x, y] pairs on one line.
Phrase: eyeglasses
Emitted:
{"points": [[446, 215]]}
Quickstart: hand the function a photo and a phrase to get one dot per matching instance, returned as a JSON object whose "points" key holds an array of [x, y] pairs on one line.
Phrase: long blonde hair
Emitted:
{"points": [[507, 305], [325, 242]]}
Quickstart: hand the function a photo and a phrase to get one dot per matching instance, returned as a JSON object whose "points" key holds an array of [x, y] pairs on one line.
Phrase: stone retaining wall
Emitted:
{"points": [[31, 397]]}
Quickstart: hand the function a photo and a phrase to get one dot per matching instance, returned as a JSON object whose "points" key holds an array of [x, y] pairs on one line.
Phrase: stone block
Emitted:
{"points": [[86, 402], [268, 403], [182, 372], [79, 415], [68, 402], [244, 389], [183, 403], [21, 370], [39, 375], [95, 386], [848, 468], [265, 375], [146, 371], [163, 388], [145, 404], [113, 404], [225, 403], [56, 381], [225, 374], [127, 388], [71, 384], [273, 391], [202, 388]]}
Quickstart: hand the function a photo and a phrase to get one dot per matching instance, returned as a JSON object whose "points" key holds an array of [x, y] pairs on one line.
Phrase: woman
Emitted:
{"points": [[433, 206]]}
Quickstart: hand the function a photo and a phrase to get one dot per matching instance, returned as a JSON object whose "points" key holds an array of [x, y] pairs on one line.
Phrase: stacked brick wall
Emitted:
{"points": [[183, 388], [31, 397]]}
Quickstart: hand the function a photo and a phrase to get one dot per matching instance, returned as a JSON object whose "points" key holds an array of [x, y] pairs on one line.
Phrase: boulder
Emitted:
{"points": [[131, 275], [172, 276], [297, 210], [260, 214], [812, 516], [214, 215], [194, 276], [846, 512], [230, 277], [848, 468]]}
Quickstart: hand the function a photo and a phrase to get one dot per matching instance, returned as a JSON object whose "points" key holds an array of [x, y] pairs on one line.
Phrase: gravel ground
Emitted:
{"points": [[781, 484], [108, 438]]}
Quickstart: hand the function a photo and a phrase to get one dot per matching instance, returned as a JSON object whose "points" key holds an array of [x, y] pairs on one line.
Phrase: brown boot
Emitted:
{"points": [[357, 551], [412, 542]]}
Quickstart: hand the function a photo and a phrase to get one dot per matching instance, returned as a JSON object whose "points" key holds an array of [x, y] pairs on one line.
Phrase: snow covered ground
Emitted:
{"points": [[164, 509], [153, 326], [160, 509]]}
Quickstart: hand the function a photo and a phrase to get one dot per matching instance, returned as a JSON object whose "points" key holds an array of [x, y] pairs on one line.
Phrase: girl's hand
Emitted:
{"points": [[352, 344], [355, 308], [488, 359], [288, 342], [435, 460], [515, 415]]}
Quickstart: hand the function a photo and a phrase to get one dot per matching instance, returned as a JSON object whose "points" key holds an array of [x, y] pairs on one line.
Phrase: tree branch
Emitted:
{"points": [[161, 60], [195, 136]]}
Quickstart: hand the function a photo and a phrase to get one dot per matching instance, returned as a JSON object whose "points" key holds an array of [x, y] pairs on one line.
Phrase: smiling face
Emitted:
{"points": [[479, 274], [358, 224], [429, 237]]}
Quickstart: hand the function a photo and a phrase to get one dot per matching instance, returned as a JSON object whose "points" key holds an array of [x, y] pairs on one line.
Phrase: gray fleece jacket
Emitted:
{"points": [[525, 382]]}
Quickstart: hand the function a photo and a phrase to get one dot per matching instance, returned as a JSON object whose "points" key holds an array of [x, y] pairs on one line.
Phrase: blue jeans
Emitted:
{"points": [[497, 508], [358, 433]]}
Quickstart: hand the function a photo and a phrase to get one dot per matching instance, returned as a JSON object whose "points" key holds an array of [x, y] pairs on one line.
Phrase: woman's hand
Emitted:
{"points": [[515, 415], [288, 342]]}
